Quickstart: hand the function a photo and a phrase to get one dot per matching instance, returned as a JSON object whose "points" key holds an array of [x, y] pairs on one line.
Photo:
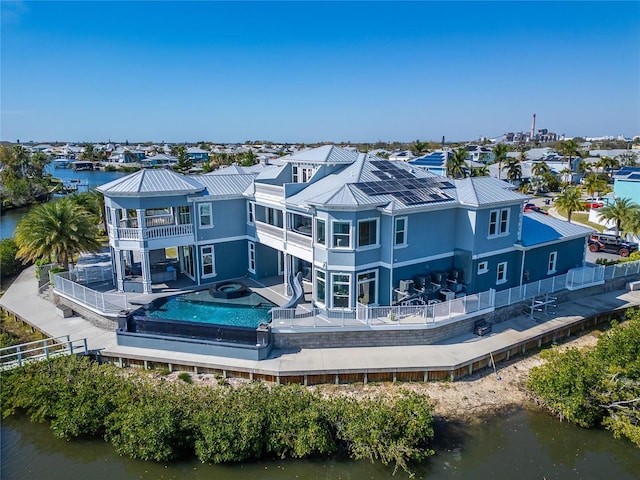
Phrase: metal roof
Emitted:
{"points": [[224, 185], [628, 173], [324, 154], [538, 228], [151, 183], [477, 191]]}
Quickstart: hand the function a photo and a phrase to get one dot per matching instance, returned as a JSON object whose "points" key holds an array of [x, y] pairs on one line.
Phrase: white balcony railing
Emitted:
{"points": [[167, 231], [269, 190], [299, 240], [271, 230]]}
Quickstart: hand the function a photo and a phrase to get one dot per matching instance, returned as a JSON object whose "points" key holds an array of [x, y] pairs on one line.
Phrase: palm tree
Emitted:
{"points": [[594, 184], [56, 229], [569, 200], [620, 211], [568, 149], [482, 171], [514, 169], [500, 154], [418, 147], [539, 168], [610, 164], [457, 164]]}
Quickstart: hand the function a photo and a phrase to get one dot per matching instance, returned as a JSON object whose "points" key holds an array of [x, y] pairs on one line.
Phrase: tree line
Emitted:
{"points": [[152, 419], [595, 387]]}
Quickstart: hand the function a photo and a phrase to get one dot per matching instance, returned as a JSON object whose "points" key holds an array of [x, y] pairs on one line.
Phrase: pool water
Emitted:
{"points": [[247, 311]]}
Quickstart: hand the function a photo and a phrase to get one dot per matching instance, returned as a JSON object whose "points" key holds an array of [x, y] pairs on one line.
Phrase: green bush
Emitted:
{"points": [[151, 419], [8, 264], [599, 386], [185, 377]]}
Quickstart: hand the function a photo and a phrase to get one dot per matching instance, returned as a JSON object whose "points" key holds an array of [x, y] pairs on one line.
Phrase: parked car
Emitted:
{"points": [[530, 207], [593, 202], [606, 242]]}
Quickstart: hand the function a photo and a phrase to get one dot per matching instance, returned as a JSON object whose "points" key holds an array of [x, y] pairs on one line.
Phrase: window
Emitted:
{"points": [[204, 210], [341, 290], [321, 233], [400, 237], [499, 222], [251, 212], [208, 269], [502, 273], [367, 288], [367, 233], [108, 214], [252, 257], [184, 215], [553, 257], [321, 287], [341, 234], [483, 267], [300, 174], [273, 217]]}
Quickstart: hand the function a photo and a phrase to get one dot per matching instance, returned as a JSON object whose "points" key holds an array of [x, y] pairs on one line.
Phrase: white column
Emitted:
{"points": [[286, 274], [119, 269], [146, 272]]}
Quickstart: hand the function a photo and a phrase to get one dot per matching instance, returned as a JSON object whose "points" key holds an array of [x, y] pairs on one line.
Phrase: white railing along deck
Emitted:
{"points": [[18, 355], [456, 309], [108, 304], [299, 239], [150, 233]]}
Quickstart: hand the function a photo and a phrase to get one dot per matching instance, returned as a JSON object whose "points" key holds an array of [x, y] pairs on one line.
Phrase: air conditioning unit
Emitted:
{"points": [[406, 286]]}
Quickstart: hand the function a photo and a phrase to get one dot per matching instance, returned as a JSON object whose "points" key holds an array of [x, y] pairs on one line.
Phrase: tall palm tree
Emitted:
{"points": [[609, 165], [620, 211], [418, 147], [500, 154], [56, 229], [594, 184], [569, 200], [540, 168], [457, 164], [514, 169], [568, 149]]}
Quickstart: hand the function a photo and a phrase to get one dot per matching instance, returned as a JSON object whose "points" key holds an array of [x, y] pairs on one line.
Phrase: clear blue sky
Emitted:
{"points": [[307, 72]]}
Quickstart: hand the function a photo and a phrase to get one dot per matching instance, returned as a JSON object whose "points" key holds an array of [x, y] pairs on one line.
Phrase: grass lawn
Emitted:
{"points": [[581, 217]]}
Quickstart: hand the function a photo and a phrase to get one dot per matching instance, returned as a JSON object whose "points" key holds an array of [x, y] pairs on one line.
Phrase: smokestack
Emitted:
{"points": [[533, 127], [443, 142]]}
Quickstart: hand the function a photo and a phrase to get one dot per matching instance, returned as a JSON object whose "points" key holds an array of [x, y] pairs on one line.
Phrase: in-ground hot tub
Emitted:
{"points": [[228, 290]]}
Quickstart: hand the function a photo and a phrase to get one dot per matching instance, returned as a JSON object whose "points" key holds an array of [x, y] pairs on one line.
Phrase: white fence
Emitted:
{"points": [[456, 309], [18, 355], [108, 304]]}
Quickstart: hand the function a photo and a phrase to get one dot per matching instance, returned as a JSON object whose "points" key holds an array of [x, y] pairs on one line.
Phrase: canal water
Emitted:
{"points": [[523, 445], [85, 181]]}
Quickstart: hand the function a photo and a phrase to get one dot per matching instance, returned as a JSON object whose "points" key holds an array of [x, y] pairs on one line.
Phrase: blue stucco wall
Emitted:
{"points": [[570, 255], [627, 189]]}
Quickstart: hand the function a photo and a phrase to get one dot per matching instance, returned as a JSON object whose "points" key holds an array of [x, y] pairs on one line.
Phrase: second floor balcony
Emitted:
{"points": [[150, 233]]}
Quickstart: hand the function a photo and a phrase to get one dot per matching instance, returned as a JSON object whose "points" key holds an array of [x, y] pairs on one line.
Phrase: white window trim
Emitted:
{"points": [[498, 213], [210, 224], [375, 281], [552, 263], [348, 275], [315, 232], [371, 245], [315, 287], [349, 246], [406, 232], [251, 248], [500, 281], [213, 261], [251, 213], [483, 267]]}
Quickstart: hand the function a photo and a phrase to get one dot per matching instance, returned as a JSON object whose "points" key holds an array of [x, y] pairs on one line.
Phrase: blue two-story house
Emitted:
{"points": [[360, 229]]}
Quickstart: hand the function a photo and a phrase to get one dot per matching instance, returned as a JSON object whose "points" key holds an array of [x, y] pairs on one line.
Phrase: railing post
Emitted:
{"points": [[19, 353], [509, 298], [70, 344], [86, 347], [449, 302]]}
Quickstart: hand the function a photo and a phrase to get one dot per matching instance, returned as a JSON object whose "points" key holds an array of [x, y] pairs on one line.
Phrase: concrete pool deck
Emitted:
{"points": [[455, 356]]}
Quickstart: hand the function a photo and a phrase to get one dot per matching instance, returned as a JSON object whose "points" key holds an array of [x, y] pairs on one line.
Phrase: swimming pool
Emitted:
{"points": [[246, 311]]}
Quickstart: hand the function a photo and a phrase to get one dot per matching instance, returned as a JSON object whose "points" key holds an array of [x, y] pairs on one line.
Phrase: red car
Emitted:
{"points": [[530, 207]]}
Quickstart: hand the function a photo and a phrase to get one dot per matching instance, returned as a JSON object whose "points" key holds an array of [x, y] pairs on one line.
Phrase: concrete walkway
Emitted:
{"points": [[22, 299]]}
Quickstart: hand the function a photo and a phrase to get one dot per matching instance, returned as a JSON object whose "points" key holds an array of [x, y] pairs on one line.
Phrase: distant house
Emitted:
{"points": [[359, 229], [196, 154], [159, 160], [404, 155], [626, 184], [434, 162]]}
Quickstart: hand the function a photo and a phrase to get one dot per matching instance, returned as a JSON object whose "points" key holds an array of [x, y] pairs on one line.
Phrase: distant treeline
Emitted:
{"points": [[149, 418]]}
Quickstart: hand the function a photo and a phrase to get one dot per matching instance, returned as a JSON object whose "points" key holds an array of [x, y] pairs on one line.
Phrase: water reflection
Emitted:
{"points": [[524, 445]]}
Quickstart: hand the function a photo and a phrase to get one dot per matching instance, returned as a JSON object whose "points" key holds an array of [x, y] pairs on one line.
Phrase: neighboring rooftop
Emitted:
{"points": [[538, 228]]}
